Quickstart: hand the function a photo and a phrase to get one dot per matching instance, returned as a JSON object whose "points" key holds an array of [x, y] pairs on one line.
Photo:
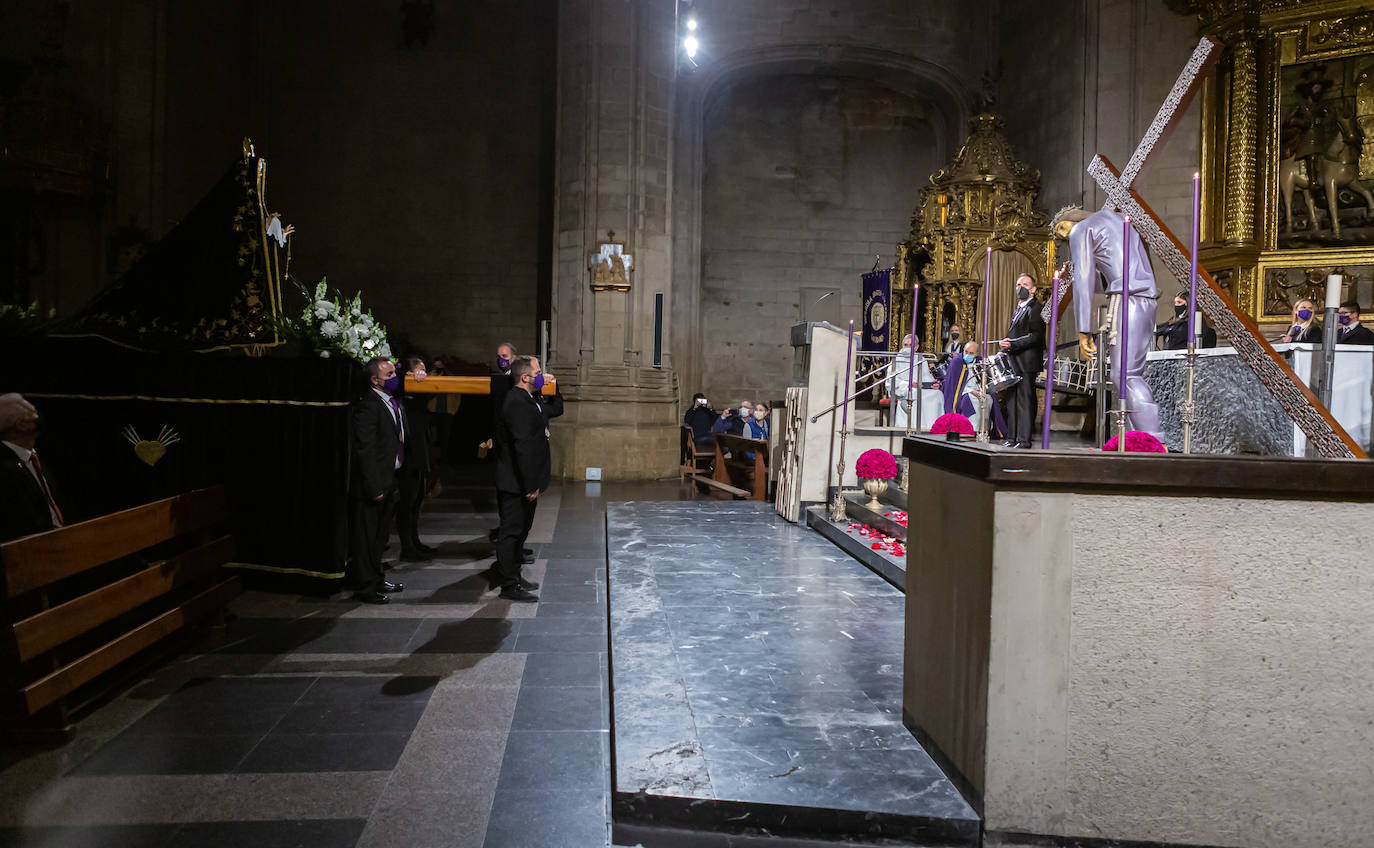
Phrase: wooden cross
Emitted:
{"points": [[1315, 420]]}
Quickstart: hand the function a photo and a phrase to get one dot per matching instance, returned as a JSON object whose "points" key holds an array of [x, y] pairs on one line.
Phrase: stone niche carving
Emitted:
{"points": [[984, 197]]}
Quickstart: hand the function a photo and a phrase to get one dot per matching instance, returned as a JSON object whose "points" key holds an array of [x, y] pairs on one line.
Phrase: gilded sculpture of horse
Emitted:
{"points": [[1340, 168]]}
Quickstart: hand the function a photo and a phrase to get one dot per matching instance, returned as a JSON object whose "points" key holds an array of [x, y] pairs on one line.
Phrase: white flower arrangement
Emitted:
{"points": [[337, 327]]}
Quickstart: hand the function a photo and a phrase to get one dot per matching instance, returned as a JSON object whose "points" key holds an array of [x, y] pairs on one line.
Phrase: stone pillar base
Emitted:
{"points": [[620, 419]]}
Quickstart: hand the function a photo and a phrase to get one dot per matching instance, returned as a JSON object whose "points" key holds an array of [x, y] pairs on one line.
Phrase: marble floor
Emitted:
{"points": [[446, 718], [756, 682]]}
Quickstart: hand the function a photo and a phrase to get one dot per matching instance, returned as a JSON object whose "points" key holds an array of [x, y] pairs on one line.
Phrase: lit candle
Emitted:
{"points": [[1049, 362], [848, 376], [1192, 283], [1123, 332]]}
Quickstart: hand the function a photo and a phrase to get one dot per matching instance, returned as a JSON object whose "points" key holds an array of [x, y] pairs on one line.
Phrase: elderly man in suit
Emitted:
{"points": [[25, 488], [378, 450], [522, 471]]}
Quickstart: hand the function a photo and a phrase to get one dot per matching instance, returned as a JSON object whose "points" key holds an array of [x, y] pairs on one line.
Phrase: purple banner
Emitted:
{"points": [[877, 305]]}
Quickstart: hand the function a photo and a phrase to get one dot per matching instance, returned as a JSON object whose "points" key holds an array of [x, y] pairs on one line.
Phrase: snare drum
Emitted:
{"points": [[1000, 374]]}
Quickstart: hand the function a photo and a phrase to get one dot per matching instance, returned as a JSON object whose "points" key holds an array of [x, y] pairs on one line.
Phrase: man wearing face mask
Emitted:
{"points": [[700, 418], [1025, 342], [1349, 330], [522, 471], [961, 389], [378, 450]]}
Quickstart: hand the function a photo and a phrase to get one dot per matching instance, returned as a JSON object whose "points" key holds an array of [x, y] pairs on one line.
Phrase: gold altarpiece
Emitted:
{"points": [[1293, 94], [984, 197]]}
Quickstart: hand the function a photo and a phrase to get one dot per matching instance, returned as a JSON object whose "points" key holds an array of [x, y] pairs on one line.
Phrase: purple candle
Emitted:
{"points": [[848, 376], [1049, 362], [1123, 332], [1192, 282], [911, 365], [987, 300]]}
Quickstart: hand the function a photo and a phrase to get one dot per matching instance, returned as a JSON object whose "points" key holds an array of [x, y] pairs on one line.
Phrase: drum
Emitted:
{"points": [[1000, 374], [940, 367]]}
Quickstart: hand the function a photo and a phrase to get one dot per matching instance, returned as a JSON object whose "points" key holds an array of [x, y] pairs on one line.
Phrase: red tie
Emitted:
{"points": [[43, 484]]}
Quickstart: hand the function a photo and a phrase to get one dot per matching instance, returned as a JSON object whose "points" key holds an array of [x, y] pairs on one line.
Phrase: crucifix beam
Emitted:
{"points": [[1315, 420]]}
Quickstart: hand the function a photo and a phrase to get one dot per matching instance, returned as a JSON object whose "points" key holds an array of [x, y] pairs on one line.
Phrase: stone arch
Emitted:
{"points": [[698, 93]]}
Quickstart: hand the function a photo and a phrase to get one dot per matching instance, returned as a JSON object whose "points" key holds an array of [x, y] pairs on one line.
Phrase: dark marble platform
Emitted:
{"points": [[756, 683], [885, 565]]}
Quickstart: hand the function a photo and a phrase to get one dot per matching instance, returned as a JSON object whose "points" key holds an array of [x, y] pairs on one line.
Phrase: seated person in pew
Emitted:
{"points": [[962, 392], [757, 425], [26, 488], [700, 417], [1351, 331], [731, 421], [1173, 334]]}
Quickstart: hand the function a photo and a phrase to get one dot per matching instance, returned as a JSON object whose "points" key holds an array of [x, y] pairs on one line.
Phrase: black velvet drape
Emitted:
{"points": [[274, 430]]}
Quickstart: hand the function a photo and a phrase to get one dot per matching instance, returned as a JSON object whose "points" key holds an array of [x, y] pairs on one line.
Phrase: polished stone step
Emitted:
{"points": [[756, 676], [890, 568], [856, 507]]}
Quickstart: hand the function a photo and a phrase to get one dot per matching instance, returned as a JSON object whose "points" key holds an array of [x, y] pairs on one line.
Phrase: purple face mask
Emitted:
{"points": [[391, 385], [538, 385], [502, 363], [1304, 314], [1343, 319]]}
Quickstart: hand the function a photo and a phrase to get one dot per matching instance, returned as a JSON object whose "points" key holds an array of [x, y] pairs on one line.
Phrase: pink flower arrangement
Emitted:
{"points": [[1137, 441], [876, 464], [952, 421]]}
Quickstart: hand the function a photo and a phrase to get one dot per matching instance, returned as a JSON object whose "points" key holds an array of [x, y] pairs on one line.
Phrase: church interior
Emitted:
{"points": [[1045, 520]]}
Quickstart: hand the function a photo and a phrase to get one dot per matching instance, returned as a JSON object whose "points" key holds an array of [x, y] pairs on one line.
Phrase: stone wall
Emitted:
{"points": [[807, 178], [1088, 78]]}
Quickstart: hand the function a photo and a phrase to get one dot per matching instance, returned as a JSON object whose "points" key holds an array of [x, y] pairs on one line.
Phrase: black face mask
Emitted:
{"points": [[1179, 310], [954, 335], [1022, 293]]}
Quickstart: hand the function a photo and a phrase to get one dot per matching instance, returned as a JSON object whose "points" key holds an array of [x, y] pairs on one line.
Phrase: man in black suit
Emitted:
{"points": [[1350, 330], [522, 471], [414, 470], [1025, 342], [378, 450], [26, 491]]}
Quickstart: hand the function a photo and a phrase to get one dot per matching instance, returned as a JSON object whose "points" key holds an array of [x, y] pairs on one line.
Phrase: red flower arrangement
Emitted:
{"points": [[876, 464], [1137, 441], [952, 421]]}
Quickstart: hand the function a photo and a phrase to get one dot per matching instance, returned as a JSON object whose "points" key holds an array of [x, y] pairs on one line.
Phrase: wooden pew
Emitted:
{"points": [[695, 463], [739, 475], [79, 604]]}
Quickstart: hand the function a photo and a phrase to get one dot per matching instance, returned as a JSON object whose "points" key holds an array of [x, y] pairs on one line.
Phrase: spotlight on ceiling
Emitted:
{"points": [[692, 23], [690, 45]]}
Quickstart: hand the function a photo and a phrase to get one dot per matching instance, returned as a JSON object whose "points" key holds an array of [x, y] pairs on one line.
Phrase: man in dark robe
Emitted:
{"points": [[956, 387]]}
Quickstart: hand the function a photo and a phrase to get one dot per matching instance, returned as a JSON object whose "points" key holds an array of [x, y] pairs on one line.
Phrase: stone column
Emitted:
{"points": [[1241, 135], [616, 83]]}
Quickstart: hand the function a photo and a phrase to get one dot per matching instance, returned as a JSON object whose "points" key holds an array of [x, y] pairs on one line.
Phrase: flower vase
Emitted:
{"points": [[874, 487]]}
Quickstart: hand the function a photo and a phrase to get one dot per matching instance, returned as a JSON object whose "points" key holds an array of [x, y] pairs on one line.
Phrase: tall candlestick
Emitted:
{"points": [[911, 365], [1192, 281], [987, 300], [848, 376], [1049, 362], [1125, 328]]}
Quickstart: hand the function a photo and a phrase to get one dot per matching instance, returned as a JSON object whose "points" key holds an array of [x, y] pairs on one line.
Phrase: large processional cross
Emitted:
{"points": [[1327, 436]]}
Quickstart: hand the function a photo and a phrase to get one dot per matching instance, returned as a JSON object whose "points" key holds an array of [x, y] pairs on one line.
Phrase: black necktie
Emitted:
{"points": [[43, 484]]}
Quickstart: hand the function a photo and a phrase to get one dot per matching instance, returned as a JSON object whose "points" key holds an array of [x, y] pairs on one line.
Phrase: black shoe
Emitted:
{"points": [[492, 534], [426, 549], [515, 593], [529, 552], [1008, 443], [528, 585], [388, 586], [415, 556], [1023, 445], [370, 597], [526, 560]]}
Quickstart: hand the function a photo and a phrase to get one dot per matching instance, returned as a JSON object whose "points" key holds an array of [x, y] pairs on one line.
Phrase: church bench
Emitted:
{"points": [[694, 463], [83, 599], [735, 471]]}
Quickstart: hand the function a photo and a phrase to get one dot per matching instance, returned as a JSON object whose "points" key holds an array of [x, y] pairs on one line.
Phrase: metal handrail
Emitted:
{"points": [[837, 404]]}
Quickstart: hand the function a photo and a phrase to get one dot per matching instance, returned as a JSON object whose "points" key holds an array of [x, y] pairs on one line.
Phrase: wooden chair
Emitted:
{"points": [[77, 608], [695, 463], [741, 468]]}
